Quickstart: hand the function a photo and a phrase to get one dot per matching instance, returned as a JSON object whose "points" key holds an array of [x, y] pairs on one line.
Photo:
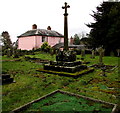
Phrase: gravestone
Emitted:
{"points": [[82, 54], [93, 54], [101, 54], [118, 52]]}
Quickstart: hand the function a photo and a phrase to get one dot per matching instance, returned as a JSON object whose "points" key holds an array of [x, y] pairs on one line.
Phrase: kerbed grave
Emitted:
{"points": [[65, 101]]}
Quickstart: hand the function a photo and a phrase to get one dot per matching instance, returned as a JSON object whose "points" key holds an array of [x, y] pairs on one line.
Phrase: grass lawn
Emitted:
{"points": [[31, 84]]}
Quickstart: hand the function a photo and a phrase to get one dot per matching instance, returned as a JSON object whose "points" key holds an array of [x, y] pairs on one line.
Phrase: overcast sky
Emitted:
{"points": [[18, 16]]}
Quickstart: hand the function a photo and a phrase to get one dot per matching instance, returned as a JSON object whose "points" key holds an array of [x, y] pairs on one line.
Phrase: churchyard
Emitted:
{"points": [[54, 80], [30, 84]]}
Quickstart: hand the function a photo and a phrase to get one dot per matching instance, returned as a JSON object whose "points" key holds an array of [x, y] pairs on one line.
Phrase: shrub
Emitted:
{"points": [[45, 47]]}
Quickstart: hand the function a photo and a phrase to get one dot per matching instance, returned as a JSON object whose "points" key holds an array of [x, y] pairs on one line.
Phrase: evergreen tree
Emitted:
{"points": [[76, 39], [106, 29], [7, 43]]}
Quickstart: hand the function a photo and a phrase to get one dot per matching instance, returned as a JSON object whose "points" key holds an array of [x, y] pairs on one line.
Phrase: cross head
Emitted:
{"points": [[65, 7]]}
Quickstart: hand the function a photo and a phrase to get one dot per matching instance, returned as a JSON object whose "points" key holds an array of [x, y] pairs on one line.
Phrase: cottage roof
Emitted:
{"points": [[61, 45], [41, 32]]}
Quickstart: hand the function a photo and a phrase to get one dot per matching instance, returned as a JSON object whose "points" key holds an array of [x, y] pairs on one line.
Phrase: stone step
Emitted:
{"points": [[58, 68], [69, 64]]}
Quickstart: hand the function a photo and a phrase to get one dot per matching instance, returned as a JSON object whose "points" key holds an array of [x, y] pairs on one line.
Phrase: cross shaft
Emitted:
{"points": [[65, 27]]}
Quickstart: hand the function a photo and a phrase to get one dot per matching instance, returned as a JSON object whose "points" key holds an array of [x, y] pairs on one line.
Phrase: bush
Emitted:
{"points": [[45, 47]]}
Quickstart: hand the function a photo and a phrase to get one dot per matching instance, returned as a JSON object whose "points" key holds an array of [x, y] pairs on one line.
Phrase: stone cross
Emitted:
{"points": [[65, 27]]}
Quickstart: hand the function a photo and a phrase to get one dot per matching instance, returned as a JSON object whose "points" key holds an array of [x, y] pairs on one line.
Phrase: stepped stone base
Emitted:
{"points": [[66, 64], [60, 68], [74, 75]]}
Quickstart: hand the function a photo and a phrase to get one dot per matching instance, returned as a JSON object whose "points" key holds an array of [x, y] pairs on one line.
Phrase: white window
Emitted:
{"points": [[43, 38]]}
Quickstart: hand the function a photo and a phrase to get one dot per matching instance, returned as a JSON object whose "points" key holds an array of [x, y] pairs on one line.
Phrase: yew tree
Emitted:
{"points": [[105, 31]]}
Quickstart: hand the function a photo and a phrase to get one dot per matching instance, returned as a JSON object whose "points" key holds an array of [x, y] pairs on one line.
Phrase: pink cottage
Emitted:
{"points": [[36, 37]]}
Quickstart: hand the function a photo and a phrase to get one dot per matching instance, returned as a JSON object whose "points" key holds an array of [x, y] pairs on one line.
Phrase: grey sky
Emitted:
{"points": [[17, 16]]}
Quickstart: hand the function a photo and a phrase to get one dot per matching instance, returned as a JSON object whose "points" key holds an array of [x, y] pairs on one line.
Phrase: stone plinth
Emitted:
{"points": [[69, 64], [72, 68], [66, 65], [66, 56], [65, 62]]}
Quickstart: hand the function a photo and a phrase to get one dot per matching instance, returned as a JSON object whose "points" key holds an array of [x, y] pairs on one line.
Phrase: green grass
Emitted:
{"points": [[31, 84], [42, 55], [64, 102]]}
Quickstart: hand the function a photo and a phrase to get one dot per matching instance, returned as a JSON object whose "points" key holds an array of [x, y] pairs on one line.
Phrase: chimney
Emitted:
{"points": [[71, 40], [48, 28], [34, 26]]}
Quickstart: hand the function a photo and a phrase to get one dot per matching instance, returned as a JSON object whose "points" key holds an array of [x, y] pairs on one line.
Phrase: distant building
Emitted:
{"points": [[70, 46], [36, 37]]}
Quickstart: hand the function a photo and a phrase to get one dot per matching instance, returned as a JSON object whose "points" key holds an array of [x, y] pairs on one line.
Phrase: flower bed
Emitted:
{"points": [[65, 101]]}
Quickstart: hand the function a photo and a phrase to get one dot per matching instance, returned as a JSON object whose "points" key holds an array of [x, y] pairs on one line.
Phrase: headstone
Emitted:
{"points": [[101, 54], [118, 52], [82, 54], [93, 54]]}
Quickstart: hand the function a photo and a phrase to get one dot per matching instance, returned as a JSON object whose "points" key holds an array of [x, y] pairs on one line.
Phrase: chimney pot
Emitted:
{"points": [[71, 40], [48, 28], [34, 26]]}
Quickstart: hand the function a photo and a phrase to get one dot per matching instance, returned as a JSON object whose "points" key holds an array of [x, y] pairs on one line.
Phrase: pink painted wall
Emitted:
{"points": [[30, 42], [54, 40], [26, 43]]}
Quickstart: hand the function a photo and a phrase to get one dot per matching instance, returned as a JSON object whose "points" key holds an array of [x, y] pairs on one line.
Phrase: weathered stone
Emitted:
{"points": [[93, 54], [6, 79], [66, 56], [83, 53], [101, 54], [69, 64], [65, 27], [69, 69]]}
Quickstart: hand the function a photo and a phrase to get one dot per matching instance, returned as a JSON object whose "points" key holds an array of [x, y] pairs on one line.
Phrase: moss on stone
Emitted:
{"points": [[76, 74]]}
